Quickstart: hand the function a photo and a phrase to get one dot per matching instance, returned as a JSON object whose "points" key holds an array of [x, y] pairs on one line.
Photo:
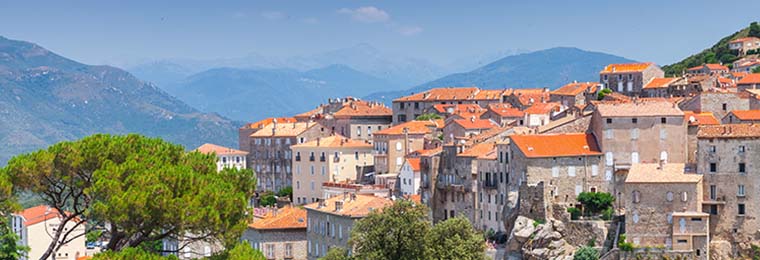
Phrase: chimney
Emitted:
{"points": [[345, 195]]}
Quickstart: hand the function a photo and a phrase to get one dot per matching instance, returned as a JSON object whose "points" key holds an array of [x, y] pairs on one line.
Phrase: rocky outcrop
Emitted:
{"points": [[539, 241]]}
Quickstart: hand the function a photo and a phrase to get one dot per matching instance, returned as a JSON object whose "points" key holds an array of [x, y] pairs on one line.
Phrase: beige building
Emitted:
{"points": [[393, 144], [639, 132], [280, 234], [270, 156], [629, 78], [566, 164], [350, 117], [245, 132], [410, 107], [742, 45], [709, 68], [728, 157], [717, 103], [330, 221], [327, 159], [664, 209], [225, 157], [574, 94], [35, 226], [694, 120]]}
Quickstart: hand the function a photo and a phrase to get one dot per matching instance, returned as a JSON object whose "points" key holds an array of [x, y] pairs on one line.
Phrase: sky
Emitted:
{"points": [[110, 32]]}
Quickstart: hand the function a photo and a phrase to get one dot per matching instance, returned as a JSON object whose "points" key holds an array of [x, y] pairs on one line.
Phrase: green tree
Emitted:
{"points": [[337, 253], [241, 251], [595, 202], [756, 69], [9, 247], [586, 253], [397, 232], [602, 93], [429, 116], [145, 189], [286, 192], [267, 199], [455, 238], [754, 29]]}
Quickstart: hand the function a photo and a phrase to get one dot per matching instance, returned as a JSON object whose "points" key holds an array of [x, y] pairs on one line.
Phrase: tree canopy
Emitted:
{"points": [[403, 231], [142, 189], [586, 253], [428, 116], [595, 202]]}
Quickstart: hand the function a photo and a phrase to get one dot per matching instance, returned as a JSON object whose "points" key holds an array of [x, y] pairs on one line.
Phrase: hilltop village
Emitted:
{"points": [[677, 154]]}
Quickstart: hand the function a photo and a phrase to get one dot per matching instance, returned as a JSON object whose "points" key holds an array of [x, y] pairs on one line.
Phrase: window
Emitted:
{"points": [[664, 156], [555, 171], [669, 196], [634, 157], [636, 196], [634, 134], [288, 250], [369, 131], [359, 130], [634, 120], [663, 120], [725, 106], [401, 105], [571, 171], [742, 168], [608, 158], [713, 192], [663, 134], [742, 148], [608, 134], [713, 167], [609, 120], [398, 146], [742, 209], [740, 190], [270, 251], [594, 170], [684, 196]]}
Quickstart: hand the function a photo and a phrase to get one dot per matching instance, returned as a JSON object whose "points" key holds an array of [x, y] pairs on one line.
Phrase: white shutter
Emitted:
{"points": [[634, 157], [620, 86], [630, 86], [663, 134], [608, 158], [571, 171], [635, 134], [578, 189], [555, 171], [608, 175], [594, 170]]}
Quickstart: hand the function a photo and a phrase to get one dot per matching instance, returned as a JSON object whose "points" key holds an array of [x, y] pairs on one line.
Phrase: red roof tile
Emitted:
{"points": [[556, 145], [266, 122], [414, 163], [450, 94], [284, 218], [413, 127], [475, 123], [729, 131], [334, 141], [747, 115], [363, 108], [659, 83], [626, 67], [218, 150], [542, 108], [704, 118], [752, 78], [575, 88], [478, 150], [744, 39], [505, 110], [358, 207], [38, 214]]}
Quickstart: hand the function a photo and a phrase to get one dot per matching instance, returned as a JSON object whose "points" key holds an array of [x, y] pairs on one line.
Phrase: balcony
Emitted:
{"points": [[311, 158], [298, 158], [490, 184], [322, 158]]}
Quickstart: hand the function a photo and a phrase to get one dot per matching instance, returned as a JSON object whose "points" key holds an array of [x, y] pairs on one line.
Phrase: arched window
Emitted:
{"points": [[669, 196], [398, 146], [684, 196], [636, 196], [608, 158]]}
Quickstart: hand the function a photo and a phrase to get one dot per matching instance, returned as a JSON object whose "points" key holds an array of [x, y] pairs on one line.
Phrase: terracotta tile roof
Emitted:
{"points": [[542, 108], [414, 163], [652, 173], [614, 96], [575, 88], [428, 152], [489, 94], [755, 92], [463, 110], [284, 130], [416, 198], [308, 114], [505, 110], [704, 118], [265, 122], [218, 150], [739, 74], [744, 39], [358, 207], [363, 108], [413, 127], [450, 94], [334, 141], [715, 66], [475, 123], [478, 150], [746, 115], [556, 145], [531, 95], [752, 78], [626, 67], [38, 214], [285, 218], [725, 81], [659, 83], [729, 131], [652, 107]]}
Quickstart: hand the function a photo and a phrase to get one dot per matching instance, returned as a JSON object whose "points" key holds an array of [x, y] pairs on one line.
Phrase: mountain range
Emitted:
{"points": [[549, 68], [46, 98]]}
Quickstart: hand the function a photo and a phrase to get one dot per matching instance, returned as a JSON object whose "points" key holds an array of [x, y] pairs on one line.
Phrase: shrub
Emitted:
{"points": [[595, 202], [574, 213], [624, 246], [428, 116], [608, 213], [538, 222], [286, 192], [586, 253], [267, 199], [603, 93]]}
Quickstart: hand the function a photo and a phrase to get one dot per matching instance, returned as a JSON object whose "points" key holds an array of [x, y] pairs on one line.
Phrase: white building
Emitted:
{"points": [[36, 227], [226, 157], [409, 177]]}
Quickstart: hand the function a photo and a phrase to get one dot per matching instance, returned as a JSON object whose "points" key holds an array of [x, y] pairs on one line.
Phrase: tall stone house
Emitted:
{"points": [[391, 145], [328, 159], [350, 117], [717, 103], [742, 117], [330, 221], [491, 195], [457, 184], [270, 155], [629, 78], [410, 107], [245, 132], [574, 94], [280, 234]]}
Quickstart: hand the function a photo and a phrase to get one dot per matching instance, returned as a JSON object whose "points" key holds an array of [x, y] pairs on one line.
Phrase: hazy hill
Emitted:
{"points": [[550, 68], [46, 98]]}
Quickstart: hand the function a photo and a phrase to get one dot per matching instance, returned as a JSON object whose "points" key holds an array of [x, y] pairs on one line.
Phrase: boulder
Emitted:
{"points": [[720, 250], [523, 229]]}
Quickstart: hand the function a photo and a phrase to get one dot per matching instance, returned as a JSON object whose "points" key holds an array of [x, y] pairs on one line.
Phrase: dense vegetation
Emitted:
{"points": [[718, 53], [143, 189], [403, 231]]}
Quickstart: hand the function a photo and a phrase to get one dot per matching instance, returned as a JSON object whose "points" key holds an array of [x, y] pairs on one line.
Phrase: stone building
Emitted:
{"points": [[694, 120], [245, 132], [458, 110], [526, 97], [270, 156], [639, 132], [566, 164], [393, 144], [751, 81], [659, 87], [664, 208], [491, 193], [541, 114], [754, 98], [225, 157], [280, 234], [429, 168], [629, 78], [330, 221], [717, 103], [728, 157], [32, 226], [744, 44], [328, 159], [742, 117], [350, 117], [504, 114], [457, 183], [458, 129], [574, 94], [410, 107], [708, 69]]}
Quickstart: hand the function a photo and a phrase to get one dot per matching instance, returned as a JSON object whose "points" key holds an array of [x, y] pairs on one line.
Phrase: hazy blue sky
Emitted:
{"points": [[441, 31]]}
